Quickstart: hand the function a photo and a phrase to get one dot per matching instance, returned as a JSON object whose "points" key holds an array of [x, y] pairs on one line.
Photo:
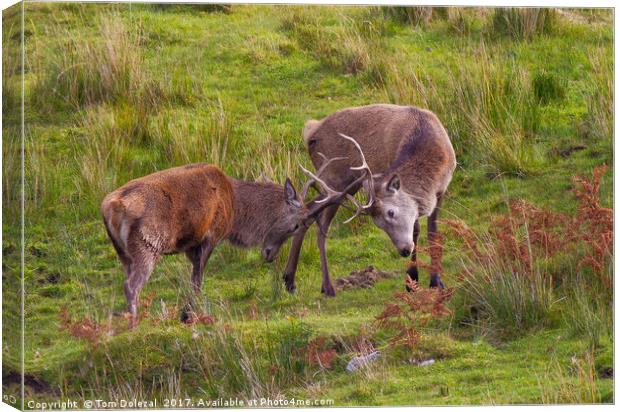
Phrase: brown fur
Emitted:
{"points": [[396, 140], [172, 210], [273, 212]]}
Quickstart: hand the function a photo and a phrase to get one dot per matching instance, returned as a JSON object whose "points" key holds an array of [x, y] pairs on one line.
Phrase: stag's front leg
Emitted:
{"points": [[293, 259], [199, 257], [412, 270], [293, 255], [323, 224], [433, 239]]}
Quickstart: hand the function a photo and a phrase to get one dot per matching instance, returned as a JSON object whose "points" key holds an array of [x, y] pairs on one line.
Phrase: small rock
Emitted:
{"points": [[427, 362], [360, 361], [422, 363]]}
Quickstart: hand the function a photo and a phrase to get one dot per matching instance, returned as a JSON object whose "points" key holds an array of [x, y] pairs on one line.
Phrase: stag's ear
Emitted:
{"points": [[290, 193], [393, 185]]}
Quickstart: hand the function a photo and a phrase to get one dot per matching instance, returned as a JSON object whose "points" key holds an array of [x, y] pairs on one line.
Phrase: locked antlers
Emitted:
{"points": [[333, 196], [370, 189]]}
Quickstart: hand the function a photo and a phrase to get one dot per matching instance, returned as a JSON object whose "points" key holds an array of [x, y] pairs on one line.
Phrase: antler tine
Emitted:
{"points": [[331, 193], [358, 211], [313, 179], [366, 168], [364, 163]]}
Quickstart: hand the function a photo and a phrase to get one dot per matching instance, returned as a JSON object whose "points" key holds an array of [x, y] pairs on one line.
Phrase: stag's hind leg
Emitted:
{"points": [[140, 269], [412, 270], [323, 224], [433, 239]]}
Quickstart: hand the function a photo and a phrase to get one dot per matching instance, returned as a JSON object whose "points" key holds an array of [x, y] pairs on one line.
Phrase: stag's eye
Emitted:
{"points": [[296, 227], [390, 213]]}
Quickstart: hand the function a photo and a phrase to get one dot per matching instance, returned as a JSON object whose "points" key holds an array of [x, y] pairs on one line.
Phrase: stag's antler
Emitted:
{"points": [[368, 176], [334, 196], [316, 179]]}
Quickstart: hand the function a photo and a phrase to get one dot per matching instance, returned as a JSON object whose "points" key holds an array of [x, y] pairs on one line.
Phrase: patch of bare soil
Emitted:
{"points": [[37, 385], [363, 279]]}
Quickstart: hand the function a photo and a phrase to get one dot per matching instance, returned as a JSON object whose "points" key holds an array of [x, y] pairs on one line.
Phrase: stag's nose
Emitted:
{"points": [[405, 252]]}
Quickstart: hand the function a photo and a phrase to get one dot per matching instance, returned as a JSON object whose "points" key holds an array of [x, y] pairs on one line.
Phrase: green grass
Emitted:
{"points": [[114, 92]]}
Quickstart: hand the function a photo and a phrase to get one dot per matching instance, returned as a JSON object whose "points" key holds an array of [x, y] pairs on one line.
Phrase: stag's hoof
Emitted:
{"points": [[291, 288], [290, 284], [436, 283], [328, 291], [186, 313]]}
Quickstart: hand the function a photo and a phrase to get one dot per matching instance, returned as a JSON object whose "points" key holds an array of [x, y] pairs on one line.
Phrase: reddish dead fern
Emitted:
{"points": [[321, 353], [412, 310], [435, 252], [596, 224], [529, 234], [85, 328], [195, 318]]}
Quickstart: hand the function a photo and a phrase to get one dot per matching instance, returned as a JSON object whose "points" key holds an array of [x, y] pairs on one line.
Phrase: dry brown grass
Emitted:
{"points": [[81, 72]]}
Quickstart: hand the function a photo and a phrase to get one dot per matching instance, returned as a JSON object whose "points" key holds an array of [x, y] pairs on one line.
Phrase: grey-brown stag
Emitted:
{"points": [[405, 161]]}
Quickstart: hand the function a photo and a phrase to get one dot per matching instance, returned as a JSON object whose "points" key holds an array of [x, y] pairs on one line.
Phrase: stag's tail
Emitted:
{"points": [[116, 225], [309, 128]]}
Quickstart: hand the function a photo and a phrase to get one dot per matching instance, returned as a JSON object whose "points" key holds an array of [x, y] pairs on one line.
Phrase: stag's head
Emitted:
{"points": [[291, 215], [390, 207], [395, 212]]}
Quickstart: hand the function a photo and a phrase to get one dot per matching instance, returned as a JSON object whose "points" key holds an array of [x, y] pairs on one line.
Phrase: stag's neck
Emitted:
{"points": [[254, 211]]}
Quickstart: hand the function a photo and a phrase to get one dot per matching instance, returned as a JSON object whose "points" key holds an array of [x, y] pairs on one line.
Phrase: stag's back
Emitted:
{"points": [[403, 138], [171, 210]]}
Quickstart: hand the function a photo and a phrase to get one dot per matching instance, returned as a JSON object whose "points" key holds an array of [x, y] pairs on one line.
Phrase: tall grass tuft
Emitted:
{"points": [[490, 110], [214, 358], [508, 296], [548, 87], [460, 21], [232, 363], [415, 16], [577, 385], [599, 120], [352, 45], [79, 71], [193, 139], [524, 23], [108, 150], [11, 67], [590, 317], [512, 272]]}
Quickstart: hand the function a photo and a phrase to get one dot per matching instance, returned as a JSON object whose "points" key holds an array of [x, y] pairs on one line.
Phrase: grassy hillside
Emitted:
{"points": [[113, 92]]}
